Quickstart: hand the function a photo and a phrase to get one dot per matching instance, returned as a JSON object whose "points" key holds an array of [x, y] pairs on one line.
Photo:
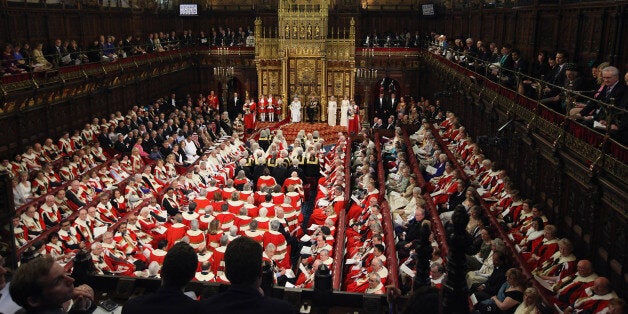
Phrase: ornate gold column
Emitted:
{"points": [[324, 90], [284, 86], [258, 38]]}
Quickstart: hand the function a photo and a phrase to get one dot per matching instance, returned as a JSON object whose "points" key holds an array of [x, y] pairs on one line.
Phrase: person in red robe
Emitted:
{"points": [[176, 231], [249, 119], [595, 299], [354, 119]]}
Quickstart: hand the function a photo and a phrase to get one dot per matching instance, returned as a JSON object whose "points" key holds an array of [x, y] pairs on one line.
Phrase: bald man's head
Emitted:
{"points": [[602, 286], [585, 268]]}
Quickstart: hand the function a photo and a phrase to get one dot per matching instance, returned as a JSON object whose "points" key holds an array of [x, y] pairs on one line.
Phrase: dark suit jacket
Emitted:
{"points": [[617, 93], [280, 173], [243, 300], [69, 194], [122, 147], [520, 65], [165, 300], [381, 108], [456, 199], [495, 280], [104, 140], [392, 106], [557, 76], [235, 107]]}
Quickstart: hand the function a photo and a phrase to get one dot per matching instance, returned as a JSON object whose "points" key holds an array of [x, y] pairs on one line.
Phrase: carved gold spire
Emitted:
{"points": [[301, 57]]}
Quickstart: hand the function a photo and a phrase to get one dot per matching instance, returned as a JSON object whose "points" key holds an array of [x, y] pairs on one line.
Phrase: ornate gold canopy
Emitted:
{"points": [[302, 56]]}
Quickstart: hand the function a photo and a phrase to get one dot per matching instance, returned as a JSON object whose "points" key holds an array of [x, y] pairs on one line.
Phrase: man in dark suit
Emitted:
{"points": [[613, 92], [519, 65], [392, 104], [280, 172], [121, 145], [150, 43], [380, 106], [56, 53], [495, 280], [456, 198], [103, 138], [243, 267], [299, 171], [178, 269], [556, 77], [377, 123], [171, 103], [234, 106], [390, 123]]}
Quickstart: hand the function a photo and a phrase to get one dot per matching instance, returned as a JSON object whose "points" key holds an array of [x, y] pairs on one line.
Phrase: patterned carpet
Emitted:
{"points": [[290, 130]]}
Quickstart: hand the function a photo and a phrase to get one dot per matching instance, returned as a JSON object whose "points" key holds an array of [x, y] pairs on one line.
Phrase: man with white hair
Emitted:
{"points": [[153, 270], [375, 285], [74, 195], [612, 92], [196, 236], [361, 282], [275, 237], [84, 227], [50, 212]]}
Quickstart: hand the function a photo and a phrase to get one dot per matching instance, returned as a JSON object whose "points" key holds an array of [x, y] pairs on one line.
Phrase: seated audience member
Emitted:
{"points": [[531, 302], [31, 220], [594, 299], [568, 289], [437, 275], [560, 265], [497, 276], [243, 267], [179, 268], [42, 286], [509, 296]]}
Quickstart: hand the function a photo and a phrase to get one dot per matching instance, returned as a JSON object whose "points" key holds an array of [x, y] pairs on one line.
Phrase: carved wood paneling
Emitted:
{"points": [[523, 35], [545, 35], [37, 28], [8, 129], [488, 28], [591, 24], [569, 30]]}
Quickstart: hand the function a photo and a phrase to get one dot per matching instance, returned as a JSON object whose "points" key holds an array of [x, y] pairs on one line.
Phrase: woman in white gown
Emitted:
{"points": [[344, 111], [332, 107], [295, 110]]}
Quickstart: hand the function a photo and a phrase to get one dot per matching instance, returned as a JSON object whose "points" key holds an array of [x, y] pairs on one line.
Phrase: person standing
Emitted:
{"points": [[345, 105], [332, 107], [235, 106]]}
